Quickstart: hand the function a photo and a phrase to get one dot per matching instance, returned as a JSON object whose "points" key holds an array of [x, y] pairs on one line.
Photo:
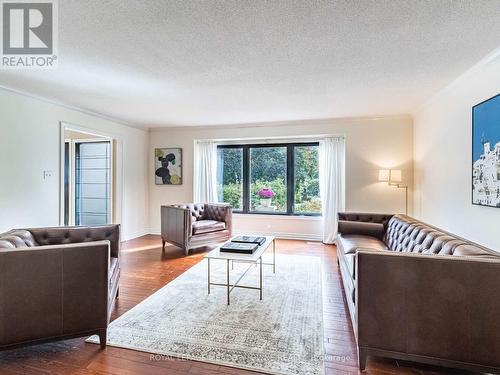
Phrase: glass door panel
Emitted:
{"points": [[93, 183]]}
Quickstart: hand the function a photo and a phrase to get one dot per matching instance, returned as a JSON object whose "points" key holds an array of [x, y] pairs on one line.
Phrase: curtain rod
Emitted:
{"points": [[275, 139]]}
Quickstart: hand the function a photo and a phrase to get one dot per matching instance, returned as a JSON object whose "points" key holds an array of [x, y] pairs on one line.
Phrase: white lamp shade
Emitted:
{"points": [[395, 175], [383, 175]]}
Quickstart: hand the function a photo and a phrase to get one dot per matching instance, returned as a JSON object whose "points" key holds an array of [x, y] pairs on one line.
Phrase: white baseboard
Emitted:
{"points": [[137, 233], [282, 235], [156, 231]]}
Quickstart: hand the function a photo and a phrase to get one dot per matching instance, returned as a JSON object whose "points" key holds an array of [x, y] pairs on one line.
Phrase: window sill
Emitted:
{"points": [[279, 217]]}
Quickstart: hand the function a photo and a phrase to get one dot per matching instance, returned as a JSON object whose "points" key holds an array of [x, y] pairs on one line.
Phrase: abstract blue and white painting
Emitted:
{"points": [[486, 153]]}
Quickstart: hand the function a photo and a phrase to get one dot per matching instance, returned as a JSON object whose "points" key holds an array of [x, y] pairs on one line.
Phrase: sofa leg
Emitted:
{"points": [[163, 245], [117, 293], [186, 251], [362, 357], [102, 338]]}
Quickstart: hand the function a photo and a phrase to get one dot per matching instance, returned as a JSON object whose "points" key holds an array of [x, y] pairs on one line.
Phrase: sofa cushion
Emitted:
{"points": [[207, 226], [358, 227], [352, 242], [471, 250], [17, 238]]}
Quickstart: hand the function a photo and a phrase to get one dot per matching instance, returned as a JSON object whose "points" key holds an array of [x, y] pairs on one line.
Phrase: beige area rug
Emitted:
{"points": [[282, 334]]}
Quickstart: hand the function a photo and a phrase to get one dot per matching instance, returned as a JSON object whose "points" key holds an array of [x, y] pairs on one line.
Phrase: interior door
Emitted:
{"points": [[93, 183]]}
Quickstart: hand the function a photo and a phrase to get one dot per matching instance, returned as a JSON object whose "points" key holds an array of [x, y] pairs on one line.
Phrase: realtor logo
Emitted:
{"points": [[29, 34]]}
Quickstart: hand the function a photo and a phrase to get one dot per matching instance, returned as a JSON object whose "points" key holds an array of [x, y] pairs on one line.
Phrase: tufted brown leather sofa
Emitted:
{"points": [[418, 293], [57, 283], [193, 225]]}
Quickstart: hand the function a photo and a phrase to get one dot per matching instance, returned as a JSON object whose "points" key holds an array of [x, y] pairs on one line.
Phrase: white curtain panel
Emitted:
{"points": [[332, 184], [205, 172]]}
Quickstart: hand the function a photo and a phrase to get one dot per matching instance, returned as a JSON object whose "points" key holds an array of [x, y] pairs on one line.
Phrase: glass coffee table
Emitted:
{"points": [[253, 260]]}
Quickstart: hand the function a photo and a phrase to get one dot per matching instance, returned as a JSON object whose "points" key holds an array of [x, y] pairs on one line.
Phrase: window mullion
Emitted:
{"points": [[290, 188], [246, 179]]}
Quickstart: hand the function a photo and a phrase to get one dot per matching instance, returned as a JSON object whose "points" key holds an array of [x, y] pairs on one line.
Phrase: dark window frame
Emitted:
{"points": [[290, 171]]}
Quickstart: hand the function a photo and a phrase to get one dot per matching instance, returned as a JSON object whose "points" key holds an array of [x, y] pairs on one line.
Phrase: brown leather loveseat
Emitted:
{"points": [[193, 225], [57, 283], [418, 293]]}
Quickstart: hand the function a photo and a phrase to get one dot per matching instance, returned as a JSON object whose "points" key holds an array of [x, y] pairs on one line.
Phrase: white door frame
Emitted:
{"points": [[117, 170]]}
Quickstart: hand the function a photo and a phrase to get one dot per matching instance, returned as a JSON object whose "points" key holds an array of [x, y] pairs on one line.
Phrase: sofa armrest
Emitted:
{"points": [[365, 217], [429, 305], [48, 291], [357, 227], [176, 225]]}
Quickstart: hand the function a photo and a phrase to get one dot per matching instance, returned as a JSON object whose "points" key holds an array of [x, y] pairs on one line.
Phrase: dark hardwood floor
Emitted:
{"points": [[145, 270]]}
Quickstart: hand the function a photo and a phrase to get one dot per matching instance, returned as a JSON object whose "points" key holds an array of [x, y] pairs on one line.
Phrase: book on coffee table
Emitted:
{"points": [[250, 239], [238, 247]]}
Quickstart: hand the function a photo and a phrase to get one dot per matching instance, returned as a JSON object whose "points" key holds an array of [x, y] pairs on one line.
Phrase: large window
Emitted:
{"points": [[280, 179]]}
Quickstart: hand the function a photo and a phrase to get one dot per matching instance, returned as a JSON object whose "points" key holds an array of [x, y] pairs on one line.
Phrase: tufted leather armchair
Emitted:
{"points": [[57, 283], [418, 293], [193, 225]]}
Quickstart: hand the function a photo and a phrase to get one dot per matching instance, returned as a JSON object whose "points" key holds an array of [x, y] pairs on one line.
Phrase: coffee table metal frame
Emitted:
{"points": [[231, 258]]}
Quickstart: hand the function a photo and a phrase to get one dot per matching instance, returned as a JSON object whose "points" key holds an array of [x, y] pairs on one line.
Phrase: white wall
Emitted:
{"points": [[29, 144], [371, 144], [443, 157]]}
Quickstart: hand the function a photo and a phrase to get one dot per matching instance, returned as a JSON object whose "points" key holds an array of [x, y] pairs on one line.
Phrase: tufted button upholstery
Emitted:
{"points": [[205, 211], [410, 235], [432, 289], [193, 225], [217, 212], [402, 234], [366, 218], [69, 235], [57, 282], [17, 238], [406, 234], [197, 210]]}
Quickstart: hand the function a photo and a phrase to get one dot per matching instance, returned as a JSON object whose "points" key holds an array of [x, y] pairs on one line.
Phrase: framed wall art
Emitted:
{"points": [[486, 153], [168, 166]]}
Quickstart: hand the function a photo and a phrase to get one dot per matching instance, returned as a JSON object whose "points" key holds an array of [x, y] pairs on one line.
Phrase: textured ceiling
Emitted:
{"points": [[173, 63]]}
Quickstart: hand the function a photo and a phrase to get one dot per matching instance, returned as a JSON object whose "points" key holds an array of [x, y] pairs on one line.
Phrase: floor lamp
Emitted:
{"points": [[393, 178]]}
